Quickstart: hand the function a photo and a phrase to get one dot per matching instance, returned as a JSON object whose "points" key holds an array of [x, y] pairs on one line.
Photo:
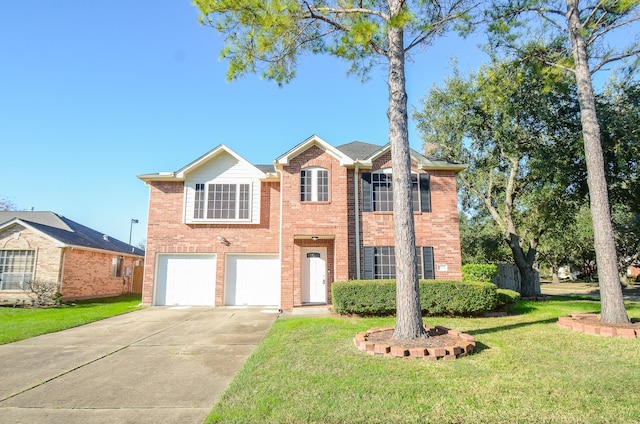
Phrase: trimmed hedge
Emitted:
{"points": [[437, 297], [479, 272], [507, 298]]}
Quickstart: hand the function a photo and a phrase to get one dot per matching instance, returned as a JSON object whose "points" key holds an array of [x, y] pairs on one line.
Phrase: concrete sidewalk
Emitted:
{"points": [[156, 365]]}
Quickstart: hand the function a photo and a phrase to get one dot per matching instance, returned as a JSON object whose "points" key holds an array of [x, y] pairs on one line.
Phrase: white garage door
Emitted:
{"points": [[186, 280], [252, 280]]}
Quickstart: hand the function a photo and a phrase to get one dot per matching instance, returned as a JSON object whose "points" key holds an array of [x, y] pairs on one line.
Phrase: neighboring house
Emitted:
{"points": [[47, 247], [225, 232]]}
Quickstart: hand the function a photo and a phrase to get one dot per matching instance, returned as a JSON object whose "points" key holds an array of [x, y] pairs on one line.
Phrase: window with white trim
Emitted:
{"points": [[380, 262], [377, 191], [16, 269], [116, 266], [314, 185], [222, 202]]}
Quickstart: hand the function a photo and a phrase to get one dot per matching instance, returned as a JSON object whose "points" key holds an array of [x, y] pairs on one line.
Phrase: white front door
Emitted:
{"points": [[314, 275]]}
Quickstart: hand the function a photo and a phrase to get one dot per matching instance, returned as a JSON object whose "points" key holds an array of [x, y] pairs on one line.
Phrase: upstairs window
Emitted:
{"points": [[314, 185], [222, 202], [377, 192], [16, 269]]}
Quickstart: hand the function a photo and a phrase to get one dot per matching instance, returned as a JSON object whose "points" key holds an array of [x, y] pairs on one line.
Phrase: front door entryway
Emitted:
{"points": [[314, 275]]}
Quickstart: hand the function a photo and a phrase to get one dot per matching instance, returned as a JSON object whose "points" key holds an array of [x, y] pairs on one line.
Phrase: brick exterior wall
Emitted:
{"points": [[167, 234], [438, 229], [89, 274], [302, 220], [333, 222], [85, 273]]}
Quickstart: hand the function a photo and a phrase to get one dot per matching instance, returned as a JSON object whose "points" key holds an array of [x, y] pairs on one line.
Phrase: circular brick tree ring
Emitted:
{"points": [[590, 324], [442, 343]]}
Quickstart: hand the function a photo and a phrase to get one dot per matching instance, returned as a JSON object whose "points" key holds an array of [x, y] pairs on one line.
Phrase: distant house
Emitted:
{"points": [[223, 231], [47, 247]]}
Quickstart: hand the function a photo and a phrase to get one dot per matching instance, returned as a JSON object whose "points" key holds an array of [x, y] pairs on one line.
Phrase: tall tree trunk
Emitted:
{"points": [[408, 314], [612, 303], [529, 281]]}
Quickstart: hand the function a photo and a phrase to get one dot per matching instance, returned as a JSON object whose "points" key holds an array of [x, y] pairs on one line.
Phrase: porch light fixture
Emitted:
{"points": [[224, 241], [314, 238]]}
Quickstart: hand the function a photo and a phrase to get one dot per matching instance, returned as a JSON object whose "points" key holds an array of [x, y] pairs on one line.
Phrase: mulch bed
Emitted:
{"points": [[591, 324], [442, 343]]}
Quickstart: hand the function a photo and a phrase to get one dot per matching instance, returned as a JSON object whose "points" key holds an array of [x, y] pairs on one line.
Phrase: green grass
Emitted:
{"points": [[22, 323], [527, 370]]}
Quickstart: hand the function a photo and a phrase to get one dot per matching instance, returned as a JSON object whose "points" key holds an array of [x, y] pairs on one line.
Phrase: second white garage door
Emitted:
{"points": [[184, 279], [252, 280]]}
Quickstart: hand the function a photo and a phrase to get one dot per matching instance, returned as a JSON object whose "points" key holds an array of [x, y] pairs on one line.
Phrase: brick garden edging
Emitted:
{"points": [[464, 347], [590, 324]]}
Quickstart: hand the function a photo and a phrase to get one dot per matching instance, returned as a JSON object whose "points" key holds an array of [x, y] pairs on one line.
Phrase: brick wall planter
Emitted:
{"points": [[590, 324], [443, 343]]}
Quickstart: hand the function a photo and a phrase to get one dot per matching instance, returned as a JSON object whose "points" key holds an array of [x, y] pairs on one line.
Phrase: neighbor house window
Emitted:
{"points": [[222, 202], [314, 185], [377, 192], [380, 262], [116, 266], [16, 269]]}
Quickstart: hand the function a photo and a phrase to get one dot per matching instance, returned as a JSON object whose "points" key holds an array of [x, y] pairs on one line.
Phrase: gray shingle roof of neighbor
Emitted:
{"points": [[359, 150], [267, 169], [70, 232]]}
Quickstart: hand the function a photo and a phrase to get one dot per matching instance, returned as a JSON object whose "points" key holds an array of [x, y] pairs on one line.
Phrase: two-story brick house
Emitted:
{"points": [[225, 232]]}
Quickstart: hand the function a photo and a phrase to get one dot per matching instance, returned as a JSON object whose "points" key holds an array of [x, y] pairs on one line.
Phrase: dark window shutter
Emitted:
{"points": [[367, 204], [425, 193], [369, 262], [427, 263]]}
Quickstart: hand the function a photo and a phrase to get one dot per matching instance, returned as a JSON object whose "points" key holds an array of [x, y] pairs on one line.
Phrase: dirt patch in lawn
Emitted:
{"points": [[442, 343]]}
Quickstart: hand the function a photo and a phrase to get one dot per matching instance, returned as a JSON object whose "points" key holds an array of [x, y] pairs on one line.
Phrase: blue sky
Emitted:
{"points": [[94, 93]]}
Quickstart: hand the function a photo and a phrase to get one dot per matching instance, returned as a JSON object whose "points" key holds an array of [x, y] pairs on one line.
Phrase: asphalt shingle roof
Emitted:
{"points": [[359, 150], [69, 232]]}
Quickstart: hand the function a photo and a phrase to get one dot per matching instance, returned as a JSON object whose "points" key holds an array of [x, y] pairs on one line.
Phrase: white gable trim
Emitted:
{"points": [[15, 221], [314, 140], [212, 154], [422, 161]]}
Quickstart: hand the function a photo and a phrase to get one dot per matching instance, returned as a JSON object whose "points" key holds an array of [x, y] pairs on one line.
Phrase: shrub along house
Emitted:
{"points": [[49, 248], [223, 231]]}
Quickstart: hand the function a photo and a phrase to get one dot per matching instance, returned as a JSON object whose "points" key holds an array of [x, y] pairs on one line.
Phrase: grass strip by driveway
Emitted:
{"points": [[528, 370], [22, 323]]}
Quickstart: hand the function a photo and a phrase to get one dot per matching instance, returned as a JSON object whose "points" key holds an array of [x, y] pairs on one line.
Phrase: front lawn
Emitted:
{"points": [[22, 323], [527, 370]]}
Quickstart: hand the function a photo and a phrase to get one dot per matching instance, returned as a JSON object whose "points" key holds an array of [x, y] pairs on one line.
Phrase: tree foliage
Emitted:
{"points": [[503, 122], [573, 37]]}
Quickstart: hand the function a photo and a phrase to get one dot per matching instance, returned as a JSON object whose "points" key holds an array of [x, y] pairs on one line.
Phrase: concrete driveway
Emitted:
{"points": [[156, 365]]}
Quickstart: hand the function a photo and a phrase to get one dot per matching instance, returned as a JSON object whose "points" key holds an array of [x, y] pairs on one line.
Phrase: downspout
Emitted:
{"points": [[63, 252], [280, 234], [357, 212]]}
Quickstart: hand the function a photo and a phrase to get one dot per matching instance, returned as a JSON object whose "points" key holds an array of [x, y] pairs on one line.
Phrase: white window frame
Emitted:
{"points": [[17, 272], [314, 192], [202, 198]]}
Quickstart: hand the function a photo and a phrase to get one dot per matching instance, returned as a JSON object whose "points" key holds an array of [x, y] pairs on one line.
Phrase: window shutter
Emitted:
{"points": [[427, 263], [369, 263], [367, 204], [425, 193]]}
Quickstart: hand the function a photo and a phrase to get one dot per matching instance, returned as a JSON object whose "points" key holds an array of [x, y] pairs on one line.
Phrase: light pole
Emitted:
{"points": [[133, 221]]}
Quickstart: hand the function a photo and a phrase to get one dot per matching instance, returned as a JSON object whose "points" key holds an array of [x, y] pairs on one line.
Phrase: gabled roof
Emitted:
{"points": [[358, 150], [180, 174], [66, 232], [314, 140], [364, 154]]}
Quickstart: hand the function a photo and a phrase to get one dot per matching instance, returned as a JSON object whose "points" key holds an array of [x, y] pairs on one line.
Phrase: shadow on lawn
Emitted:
{"points": [[510, 326]]}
